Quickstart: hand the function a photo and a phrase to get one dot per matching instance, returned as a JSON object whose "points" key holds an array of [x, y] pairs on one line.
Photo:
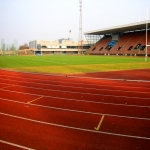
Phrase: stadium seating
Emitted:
{"points": [[99, 47], [132, 43], [118, 46], [143, 44]]}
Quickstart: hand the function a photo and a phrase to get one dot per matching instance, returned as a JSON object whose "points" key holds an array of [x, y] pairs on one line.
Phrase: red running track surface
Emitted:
{"points": [[41, 111]]}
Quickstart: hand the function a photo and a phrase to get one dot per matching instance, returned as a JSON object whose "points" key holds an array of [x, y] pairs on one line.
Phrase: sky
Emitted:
{"points": [[28, 20]]}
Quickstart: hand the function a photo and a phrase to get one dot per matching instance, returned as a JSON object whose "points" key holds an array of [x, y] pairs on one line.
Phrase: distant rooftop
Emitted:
{"points": [[121, 28]]}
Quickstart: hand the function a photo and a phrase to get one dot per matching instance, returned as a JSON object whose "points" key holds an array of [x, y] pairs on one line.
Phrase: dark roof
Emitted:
{"points": [[120, 29]]}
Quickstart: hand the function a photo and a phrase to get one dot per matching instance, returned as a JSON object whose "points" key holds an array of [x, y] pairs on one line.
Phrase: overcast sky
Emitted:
{"points": [[27, 20]]}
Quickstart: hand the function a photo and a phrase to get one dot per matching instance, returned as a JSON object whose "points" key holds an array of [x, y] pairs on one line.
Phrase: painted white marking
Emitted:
{"points": [[73, 83], [75, 128], [94, 94], [72, 76], [77, 111], [86, 101], [78, 87], [16, 145]]}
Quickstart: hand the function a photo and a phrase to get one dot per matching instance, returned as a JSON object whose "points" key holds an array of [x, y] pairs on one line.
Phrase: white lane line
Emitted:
{"points": [[77, 111], [127, 80], [81, 100], [78, 87], [86, 101], [82, 77], [72, 82], [75, 128], [93, 94], [73, 76], [15, 145], [85, 93]]}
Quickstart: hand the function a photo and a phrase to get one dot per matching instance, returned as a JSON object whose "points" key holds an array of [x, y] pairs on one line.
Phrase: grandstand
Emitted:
{"points": [[121, 40]]}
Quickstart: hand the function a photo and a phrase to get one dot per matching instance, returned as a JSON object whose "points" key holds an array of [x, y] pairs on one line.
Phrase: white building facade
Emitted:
{"points": [[61, 46]]}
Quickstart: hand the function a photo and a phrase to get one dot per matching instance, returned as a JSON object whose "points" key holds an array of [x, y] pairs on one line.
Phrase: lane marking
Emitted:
{"points": [[124, 84], [16, 145], [86, 101], [78, 111], [111, 79], [58, 75], [99, 125], [78, 87], [7, 86], [125, 91], [75, 128], [74, 99], [35, 99]]}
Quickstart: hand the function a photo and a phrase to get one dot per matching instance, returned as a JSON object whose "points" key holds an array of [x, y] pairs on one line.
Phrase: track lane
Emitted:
{"points": [[53, 84], [70, 90], [116, 125], [4, 145], [140, 112], [74, 91], [56, 137], [17, 96], [123, 110], [86, 96], [137, 74], [92, 94], [119, 124], [73, 80], [83, 76], [81, 90]]}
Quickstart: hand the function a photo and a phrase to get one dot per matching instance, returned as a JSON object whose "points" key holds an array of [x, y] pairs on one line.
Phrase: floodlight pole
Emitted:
{"points": [[80, 42], [146, 35]]}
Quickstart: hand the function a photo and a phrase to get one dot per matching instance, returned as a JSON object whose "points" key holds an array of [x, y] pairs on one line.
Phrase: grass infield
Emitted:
{"points": [[72, 64]]}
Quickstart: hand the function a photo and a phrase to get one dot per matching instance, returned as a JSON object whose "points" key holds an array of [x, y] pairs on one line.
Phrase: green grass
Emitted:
{"points": [[72, 63]]}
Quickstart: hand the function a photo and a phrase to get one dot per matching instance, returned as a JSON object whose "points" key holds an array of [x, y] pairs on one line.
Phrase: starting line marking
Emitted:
{"points": [[35, 99], [99, 125], [76, 128], [16, 145]]}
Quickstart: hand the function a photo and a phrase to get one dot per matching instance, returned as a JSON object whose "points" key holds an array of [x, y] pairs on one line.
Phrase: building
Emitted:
{"points": [[60, 46]]}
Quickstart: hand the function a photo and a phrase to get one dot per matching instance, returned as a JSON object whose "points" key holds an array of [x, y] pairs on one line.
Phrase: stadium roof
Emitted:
{"points": [[120, 29]]}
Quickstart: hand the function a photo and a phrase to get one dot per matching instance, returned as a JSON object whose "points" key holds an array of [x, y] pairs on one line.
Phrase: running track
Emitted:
{"points": [[103, 111]]}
